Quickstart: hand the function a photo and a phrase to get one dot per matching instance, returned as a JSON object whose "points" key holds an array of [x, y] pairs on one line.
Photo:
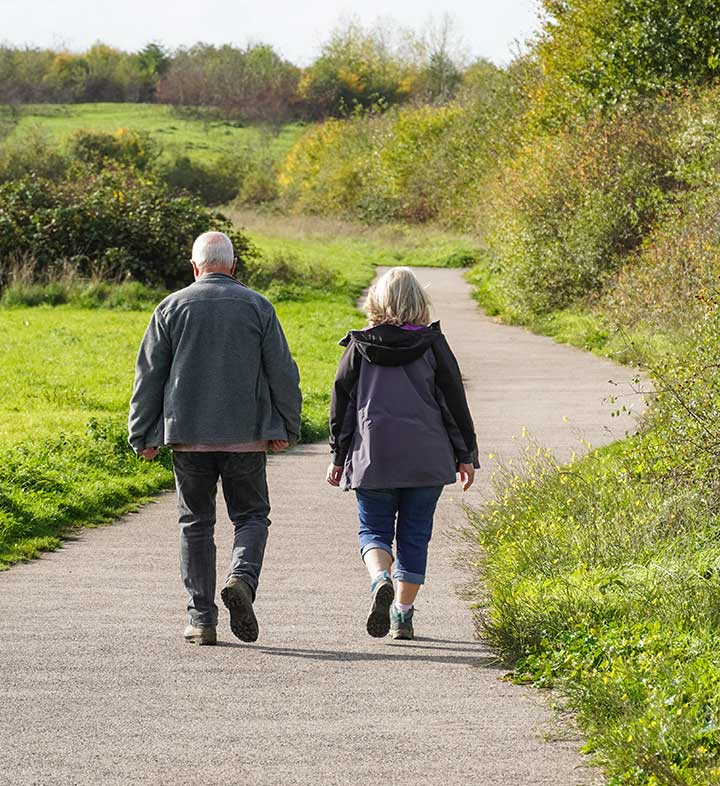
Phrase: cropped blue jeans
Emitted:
{"points": [[403, 515]]}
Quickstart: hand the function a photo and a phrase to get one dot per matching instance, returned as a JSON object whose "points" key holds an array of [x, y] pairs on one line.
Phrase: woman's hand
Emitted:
{"points": [[334, 474], [467, 475]]}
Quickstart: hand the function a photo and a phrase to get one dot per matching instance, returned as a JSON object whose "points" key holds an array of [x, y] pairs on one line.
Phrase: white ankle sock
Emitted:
{"points": [[404, 607]]}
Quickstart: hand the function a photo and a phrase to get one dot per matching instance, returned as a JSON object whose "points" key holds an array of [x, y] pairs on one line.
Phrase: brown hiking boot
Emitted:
{"points": [[201, 634], [238, 598]]}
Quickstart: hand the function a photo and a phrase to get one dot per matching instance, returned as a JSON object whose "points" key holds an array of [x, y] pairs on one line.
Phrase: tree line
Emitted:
{"points": [[357, 68]]}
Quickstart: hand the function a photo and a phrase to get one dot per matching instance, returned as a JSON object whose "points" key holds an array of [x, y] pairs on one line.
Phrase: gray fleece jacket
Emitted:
{"points": [[214, 368]]}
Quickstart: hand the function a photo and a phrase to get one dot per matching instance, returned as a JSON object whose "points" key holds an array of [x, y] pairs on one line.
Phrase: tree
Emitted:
{"points": [[357, 68], [605, 53]]}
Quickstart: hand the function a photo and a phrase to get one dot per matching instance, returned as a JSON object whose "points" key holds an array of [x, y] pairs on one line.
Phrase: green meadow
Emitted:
{"points": [[67, 371], [203, 138]]}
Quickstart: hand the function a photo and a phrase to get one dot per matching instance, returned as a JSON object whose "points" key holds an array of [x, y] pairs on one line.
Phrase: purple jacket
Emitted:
{"points": [[399, 416]]}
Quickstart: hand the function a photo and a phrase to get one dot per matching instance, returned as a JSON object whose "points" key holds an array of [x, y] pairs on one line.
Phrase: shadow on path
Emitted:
{"points": [[393, 651]]}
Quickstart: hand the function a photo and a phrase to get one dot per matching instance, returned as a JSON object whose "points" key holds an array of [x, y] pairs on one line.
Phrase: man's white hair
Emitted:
{"points": [[213, 249]]}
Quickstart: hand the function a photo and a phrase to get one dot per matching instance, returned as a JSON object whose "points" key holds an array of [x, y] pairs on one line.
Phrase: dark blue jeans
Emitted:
{"points": [[245, 490], [404, 515]]}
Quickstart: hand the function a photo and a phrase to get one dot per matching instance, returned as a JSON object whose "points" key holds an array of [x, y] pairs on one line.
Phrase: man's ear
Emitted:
{"points": [[233, 268], [196, 271]]}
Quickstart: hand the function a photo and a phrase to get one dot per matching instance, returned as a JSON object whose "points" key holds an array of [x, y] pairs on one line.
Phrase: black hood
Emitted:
{"points": [[390, 345]]}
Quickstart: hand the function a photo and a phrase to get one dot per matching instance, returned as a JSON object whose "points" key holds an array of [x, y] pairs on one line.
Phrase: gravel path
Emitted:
{"points": [[98, 687]]}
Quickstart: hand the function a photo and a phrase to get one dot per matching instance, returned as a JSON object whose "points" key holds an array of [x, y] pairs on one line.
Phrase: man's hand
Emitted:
{"points": [[149, 453], [276, 445], [467, 475], [334, 474]]}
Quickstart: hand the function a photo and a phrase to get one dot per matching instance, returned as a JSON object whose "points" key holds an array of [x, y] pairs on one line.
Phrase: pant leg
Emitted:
{"points": [[196, 477], [376, 512], [414, 530], [244, 483]]}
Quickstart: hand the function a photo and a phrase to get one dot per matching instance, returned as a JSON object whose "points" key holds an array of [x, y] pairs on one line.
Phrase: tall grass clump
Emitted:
{"points": [[602, 577]]}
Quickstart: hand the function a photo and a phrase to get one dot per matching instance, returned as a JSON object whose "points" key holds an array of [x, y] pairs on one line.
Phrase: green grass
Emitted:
{"points": [[66, 372], [178, 133], [353, 249], [584, 326], [66, 377], [601, 579]]}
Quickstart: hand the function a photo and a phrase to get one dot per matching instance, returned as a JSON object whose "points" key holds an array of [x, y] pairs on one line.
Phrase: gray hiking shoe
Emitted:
{"points": [[238, 598], [200, 634], [401, 626], [383, 594]]}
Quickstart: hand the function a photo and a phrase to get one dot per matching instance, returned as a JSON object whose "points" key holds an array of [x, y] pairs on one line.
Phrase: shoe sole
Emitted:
{"points": [[200, 641], [402, 635], [378, 621], [243, 622]]}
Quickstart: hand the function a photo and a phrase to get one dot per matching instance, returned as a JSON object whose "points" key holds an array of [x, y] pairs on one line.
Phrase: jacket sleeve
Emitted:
{"points": [[152, 369], [449, 381], [342, 411], [282, 376]]}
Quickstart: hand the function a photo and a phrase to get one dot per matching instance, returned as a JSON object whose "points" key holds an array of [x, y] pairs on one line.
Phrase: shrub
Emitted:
{"points": [[564, 214], [259, 186], [374, 167], [414, 164], [111, 224], [129, 148], [31, 154], [213, 185], [665, 286], [606, 53]]}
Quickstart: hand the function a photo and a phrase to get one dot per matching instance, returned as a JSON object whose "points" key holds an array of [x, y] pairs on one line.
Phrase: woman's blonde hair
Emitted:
{"points": [[397, 298]]}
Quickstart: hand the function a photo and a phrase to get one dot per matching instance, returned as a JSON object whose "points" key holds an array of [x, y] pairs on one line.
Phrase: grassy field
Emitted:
{"points": [[353, 249], [66, 375], [178, 133]]}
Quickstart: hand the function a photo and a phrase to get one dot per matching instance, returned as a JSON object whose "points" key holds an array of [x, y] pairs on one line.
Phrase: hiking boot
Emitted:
{"points": [[200, 634], [383, 594], [401, 626], [238, 598]]}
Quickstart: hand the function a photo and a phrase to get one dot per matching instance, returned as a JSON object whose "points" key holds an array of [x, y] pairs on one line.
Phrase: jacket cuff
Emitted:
{"points": [[137, 444], [339, 457], [469, 458]]}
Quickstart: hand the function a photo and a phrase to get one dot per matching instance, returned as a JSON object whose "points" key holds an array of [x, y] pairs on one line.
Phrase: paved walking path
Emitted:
{"points": [[98, 688]]}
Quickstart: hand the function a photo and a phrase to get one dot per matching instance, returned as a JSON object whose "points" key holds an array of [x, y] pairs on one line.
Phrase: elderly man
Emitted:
{"points": [[215, 381]]}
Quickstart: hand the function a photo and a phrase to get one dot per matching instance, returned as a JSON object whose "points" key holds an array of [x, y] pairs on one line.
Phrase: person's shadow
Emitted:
{"points": [[463, 653]]}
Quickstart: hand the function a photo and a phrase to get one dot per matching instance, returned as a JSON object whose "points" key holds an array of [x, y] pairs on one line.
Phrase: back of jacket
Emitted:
{"points": [[391, 422], [214, 368]]}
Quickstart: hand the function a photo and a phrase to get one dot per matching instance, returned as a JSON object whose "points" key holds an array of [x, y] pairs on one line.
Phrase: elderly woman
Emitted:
{"points": [[401, 430]]}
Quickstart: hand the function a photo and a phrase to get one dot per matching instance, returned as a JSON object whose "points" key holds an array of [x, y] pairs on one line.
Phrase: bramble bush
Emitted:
{"points": [[32, 154]]}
